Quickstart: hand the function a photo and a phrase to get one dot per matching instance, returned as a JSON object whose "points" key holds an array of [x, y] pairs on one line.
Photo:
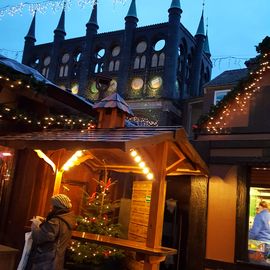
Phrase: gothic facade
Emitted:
{"points": [[154, 68]]}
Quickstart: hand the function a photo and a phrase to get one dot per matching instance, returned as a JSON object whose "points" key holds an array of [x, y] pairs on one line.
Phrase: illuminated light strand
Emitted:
{"points": [[240, 100], [138, 159], [43, 5], [143, 121], [52, 121], [74, 160], [42, 155]]}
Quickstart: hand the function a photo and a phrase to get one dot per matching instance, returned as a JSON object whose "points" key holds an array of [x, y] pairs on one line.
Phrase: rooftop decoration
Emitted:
{"points": [[236, 100], [114, 101], [47, 122]]}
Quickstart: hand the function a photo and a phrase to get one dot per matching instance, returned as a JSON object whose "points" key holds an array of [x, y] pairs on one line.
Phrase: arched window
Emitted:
{"points": [[111, 65], [45, 69], [143, 61], [45, 72], [137, 62], [158, 58], [99, 67], [63, 71], [161, 60], [64, 65], [154, 60], [116, 65], [140, 60]]}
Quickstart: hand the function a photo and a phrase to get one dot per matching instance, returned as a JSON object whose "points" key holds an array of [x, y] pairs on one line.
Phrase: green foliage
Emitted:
{"points": [[264, 46], [98, 219]]}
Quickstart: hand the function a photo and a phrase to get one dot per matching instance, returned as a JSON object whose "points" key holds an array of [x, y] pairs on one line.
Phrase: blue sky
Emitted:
{"points": [[235, 26]]}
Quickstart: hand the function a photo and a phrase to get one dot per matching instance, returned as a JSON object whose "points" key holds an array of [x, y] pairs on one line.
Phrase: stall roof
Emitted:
{"points": [[53, 92], [182, 157]]}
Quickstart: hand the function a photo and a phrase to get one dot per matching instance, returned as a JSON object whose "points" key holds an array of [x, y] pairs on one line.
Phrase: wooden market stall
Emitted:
{"points": [[37, 162], [165, 150]]}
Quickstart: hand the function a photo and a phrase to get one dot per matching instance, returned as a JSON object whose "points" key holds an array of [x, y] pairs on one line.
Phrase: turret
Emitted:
{"points": [[59, 32], [206, 47], [197, 59], [171, 51], [29, 42], [86, 66], [59, 36], [130, 26]]}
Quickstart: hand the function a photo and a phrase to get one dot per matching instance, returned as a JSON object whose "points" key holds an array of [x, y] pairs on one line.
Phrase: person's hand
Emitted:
{"points": [[36, 221]]}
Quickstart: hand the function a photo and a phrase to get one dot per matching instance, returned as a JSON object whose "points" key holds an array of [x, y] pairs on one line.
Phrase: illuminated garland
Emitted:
{"points": [[236, 101], [143, 121], [46, 122], [43, 5]]}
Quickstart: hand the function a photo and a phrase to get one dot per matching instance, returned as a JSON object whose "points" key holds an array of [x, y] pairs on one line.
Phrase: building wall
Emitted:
{"points": [[169, 77], [221, 218]]}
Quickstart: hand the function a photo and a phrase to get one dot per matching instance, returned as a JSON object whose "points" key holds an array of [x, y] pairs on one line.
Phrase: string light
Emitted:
{"points": [[240, 103], [74, 160], [52, 121], [143, 121], [43, 5], [138, 159]]}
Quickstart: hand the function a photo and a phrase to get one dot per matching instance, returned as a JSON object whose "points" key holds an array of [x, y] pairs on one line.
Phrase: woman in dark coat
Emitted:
{"points": [[52, 237]]}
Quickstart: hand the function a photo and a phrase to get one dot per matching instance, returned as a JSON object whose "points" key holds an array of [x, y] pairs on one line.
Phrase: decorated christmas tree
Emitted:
{"points": [[97, 218]]}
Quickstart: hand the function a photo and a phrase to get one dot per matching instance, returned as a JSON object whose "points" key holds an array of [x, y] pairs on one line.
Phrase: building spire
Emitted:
{"points": [[61, 24], [93, 17], [175, 4], [206, 47], [200, 30], [132, 12], [32, 29]]}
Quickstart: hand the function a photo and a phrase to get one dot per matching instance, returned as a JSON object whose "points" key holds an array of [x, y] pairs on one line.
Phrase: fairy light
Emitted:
{"points": [[74, 160], [138, 159], [143, 121], [240, 103], [47, 121], [43, 6]]}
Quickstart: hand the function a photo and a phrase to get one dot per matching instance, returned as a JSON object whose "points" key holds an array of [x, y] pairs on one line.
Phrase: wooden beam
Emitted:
{"points": [[138, 247], [178, 152], [155, 225], [174, 166]]}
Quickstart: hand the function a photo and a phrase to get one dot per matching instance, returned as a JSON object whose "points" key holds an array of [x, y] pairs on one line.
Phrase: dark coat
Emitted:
{"points": [[50, 241]]}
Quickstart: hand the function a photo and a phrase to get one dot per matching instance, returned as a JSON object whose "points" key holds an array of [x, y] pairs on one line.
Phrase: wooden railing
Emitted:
{"points": [[151, 256]]}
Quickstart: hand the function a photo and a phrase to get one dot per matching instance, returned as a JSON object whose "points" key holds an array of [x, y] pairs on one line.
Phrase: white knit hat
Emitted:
{"points": [[61, 201]]}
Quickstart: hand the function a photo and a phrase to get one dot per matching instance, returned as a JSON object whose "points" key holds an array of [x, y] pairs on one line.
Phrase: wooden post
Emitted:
{"points": [[158, 196], [57, 182]]}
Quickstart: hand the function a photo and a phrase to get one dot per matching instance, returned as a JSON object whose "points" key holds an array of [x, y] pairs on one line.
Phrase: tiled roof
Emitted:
{"points": [[229, 77]]}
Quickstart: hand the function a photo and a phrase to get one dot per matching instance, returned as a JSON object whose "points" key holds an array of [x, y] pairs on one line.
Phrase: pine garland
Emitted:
{"points": [[237, 92]]}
